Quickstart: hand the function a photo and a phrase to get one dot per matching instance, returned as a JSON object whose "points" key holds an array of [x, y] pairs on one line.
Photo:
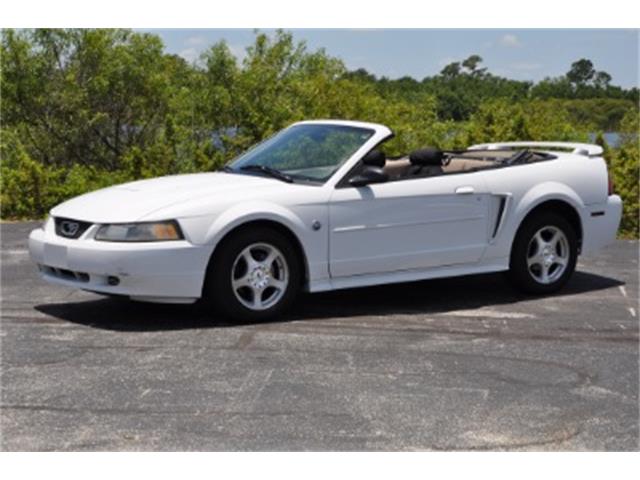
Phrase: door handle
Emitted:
{"points": [[465, 190]]}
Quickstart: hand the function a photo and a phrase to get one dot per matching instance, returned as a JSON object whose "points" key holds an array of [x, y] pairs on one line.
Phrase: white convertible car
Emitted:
{"points": [[319, 207]]}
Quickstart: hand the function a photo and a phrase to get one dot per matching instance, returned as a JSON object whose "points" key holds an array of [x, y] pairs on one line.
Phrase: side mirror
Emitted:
{"points": [[367, 176], [375, 158]]}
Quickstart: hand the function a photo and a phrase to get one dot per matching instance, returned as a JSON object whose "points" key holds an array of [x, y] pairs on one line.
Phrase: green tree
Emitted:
{"points": [[85, 96], [451, 70], [471, 64], [581, 72], [602, 80]]}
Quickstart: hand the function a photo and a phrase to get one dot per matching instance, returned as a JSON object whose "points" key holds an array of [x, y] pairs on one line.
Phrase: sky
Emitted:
{"points": [[518, 54]]}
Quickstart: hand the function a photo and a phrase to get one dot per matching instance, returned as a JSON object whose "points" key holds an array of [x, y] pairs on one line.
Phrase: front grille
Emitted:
{"points": [[69, 228], [65, 274]]}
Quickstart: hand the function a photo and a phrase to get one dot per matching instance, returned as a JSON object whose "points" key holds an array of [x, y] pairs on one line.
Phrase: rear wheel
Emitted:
{"points": [[544, 254], [254, 275]]}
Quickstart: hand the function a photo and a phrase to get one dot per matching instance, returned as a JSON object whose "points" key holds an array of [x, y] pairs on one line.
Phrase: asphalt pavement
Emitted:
{"points": [[456, 364]]}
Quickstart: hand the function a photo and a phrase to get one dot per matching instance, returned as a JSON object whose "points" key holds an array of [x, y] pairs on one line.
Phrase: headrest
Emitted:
{"points": [[426, 156], [375, 158]]}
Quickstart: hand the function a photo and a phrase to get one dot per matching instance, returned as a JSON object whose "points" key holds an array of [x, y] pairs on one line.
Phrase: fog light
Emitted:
{"points": [[113, 281]]}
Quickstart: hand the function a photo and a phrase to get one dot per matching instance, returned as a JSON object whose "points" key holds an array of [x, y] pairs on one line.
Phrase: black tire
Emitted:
{"points": [[530, 279], [218, 292]]}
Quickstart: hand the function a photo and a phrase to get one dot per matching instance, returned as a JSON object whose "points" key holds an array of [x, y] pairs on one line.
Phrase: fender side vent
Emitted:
{"points": [[496, 227]]}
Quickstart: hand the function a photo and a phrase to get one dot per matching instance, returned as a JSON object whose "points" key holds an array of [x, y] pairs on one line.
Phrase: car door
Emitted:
{"points": [[408, 224]]}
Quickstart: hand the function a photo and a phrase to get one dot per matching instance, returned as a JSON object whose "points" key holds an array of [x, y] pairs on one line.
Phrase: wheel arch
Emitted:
{"points": [[562, 206], [268, 222]]}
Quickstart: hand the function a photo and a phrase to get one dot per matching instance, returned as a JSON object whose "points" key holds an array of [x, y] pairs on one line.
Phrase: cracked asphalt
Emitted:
{"points": [[456, 364]]}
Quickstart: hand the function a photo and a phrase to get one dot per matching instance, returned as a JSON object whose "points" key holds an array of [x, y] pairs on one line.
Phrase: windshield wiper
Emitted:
{"points": [[272, 172]]}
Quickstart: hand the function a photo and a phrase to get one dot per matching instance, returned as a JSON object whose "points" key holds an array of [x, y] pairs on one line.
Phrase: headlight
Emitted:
{"points": [[140, 232]]}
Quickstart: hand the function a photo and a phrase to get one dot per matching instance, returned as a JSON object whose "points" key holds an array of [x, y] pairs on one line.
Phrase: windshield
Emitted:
{"points": [[308, 152]]}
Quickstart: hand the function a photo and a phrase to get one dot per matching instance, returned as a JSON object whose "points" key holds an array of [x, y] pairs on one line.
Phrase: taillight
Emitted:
{"points": [[610, 183]]}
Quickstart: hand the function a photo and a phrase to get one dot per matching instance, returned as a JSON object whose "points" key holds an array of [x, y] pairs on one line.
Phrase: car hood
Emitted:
{"points": [[132, 201]]}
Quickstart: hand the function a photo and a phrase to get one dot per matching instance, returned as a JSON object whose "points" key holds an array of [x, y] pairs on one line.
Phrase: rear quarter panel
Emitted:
{"points": [[578, 180]]}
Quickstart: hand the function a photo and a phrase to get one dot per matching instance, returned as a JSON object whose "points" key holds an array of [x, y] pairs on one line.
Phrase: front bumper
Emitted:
{"points": [[154, 271]]}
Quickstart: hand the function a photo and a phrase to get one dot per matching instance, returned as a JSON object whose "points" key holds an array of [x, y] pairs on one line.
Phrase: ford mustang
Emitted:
{"points": [[318, 206]]}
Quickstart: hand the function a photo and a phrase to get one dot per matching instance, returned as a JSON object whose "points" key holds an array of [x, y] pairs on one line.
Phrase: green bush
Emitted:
{"points": [[504, 121], [624, 165]]}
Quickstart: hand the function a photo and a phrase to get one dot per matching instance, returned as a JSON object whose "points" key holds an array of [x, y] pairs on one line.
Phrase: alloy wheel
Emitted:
{"points": [[260, 276], [548, 254]]}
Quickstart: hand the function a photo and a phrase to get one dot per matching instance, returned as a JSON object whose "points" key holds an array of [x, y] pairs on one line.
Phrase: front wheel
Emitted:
{"points": [[544, 254], [254, 275]]}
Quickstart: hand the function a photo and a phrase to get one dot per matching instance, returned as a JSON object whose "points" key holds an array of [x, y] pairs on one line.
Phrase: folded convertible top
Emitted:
{"points": [[585, 149]]}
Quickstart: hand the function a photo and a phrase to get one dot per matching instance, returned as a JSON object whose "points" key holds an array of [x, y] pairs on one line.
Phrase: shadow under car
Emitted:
{"points": [[423, 297]]}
